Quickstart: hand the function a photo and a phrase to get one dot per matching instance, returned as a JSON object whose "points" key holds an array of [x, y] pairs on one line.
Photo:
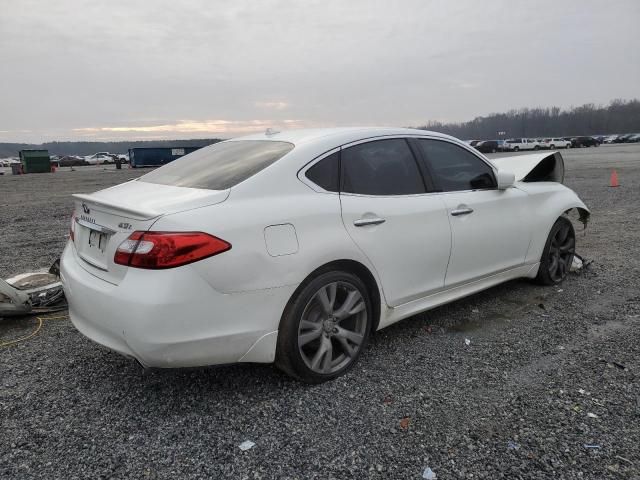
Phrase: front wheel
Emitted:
{"points": [[558, 253], [516, 149], [325, 327]]}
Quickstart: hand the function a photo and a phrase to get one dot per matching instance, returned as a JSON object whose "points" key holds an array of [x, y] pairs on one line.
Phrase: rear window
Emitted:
{"points": [[219, 166]]}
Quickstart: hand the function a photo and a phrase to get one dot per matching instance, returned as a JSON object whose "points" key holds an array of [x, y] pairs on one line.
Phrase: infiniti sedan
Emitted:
{"points": [[293, 247]]}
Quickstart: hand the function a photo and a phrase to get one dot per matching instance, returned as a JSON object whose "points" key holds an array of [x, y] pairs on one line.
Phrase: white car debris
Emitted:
{"points": [[292, 247]]}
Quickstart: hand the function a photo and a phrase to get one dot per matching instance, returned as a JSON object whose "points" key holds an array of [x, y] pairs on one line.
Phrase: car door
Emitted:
{"points": [[389, 213], [489, 227]]}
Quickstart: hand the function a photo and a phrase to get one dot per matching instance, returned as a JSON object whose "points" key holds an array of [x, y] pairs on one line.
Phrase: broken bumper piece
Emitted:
{"points": [[31, 293]]}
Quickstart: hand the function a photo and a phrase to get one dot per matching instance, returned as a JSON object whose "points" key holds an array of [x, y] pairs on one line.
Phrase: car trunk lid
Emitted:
{"points": [[103, 220]]}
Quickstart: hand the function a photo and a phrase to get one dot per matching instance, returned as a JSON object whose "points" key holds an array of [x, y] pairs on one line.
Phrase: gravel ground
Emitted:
{"points": [[547, 373]]}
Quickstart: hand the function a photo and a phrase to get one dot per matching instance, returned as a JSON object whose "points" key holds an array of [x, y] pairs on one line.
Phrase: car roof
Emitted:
{"points": [[344, 134]]}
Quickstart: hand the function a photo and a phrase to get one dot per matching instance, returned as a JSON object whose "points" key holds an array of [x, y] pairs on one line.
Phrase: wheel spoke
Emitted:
{"points": [[308, 325], [562, 267], [351, 305], [328, 357], [327, 297], [568, 246], [353, 337], [562, 234], [315, 362], [348, 349], [305, 338], [553, 267]]}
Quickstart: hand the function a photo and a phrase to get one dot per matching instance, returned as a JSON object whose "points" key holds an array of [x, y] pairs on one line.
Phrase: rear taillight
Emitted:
{"points": [[157, 250], [72, 227]]}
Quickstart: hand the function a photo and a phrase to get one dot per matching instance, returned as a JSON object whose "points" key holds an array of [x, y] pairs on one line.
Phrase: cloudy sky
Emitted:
{"points": [[124, 69]]}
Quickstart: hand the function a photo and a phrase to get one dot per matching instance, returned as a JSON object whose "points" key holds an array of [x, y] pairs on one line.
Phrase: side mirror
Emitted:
{"points": [[505, 179]]}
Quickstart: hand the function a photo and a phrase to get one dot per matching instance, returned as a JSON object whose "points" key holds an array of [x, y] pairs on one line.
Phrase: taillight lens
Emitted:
{"points": [[72, 227], [156, 250]]}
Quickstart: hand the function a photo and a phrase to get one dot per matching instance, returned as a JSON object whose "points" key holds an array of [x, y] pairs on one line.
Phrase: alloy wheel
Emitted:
{"points": [[333, 327], [561, 252]]}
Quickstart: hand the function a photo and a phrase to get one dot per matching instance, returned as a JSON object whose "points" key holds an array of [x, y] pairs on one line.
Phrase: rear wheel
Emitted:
{"points": [[516, 149], [325, 327], [558, 253]]}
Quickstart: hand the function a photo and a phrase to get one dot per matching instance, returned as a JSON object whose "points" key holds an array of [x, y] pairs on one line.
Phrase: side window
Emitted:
{"points": [[381, 167], [325, 173], [454, 168]]}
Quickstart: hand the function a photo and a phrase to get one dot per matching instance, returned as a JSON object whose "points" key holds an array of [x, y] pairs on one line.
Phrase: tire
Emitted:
{"points": [[493, 150], [552, 147], [516, 149], [536, 147], [558, 253], [338, 316]]}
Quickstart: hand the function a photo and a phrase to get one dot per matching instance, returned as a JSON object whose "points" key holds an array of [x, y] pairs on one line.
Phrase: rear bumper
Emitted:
{"points": [[172, 318]]}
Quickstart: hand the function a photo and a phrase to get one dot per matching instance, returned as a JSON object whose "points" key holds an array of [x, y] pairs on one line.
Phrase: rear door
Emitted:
{"points": [[399, 225], [489, 227]]}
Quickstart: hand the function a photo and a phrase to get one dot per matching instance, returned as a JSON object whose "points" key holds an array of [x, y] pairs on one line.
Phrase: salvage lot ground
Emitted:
{"points": [[514, 403]]}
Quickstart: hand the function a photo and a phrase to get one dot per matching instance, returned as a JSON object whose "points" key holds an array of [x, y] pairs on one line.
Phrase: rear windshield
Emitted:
{"points": [[219, 166]]}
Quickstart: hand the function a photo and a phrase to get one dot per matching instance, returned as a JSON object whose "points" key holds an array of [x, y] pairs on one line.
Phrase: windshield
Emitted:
{"points": [[219, 166]]}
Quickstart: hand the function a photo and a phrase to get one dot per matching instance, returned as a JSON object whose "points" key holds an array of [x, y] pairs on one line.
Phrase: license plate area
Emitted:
{"points": [[91, 243], [98, 240]]}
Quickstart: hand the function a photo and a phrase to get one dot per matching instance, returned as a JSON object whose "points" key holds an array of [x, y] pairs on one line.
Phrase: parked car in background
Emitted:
{"points": [[634, 138], [488, 146], [517, 144], [553, 143], [294, 247], [578, 142], [99, 158], [71, 161], [610, 139]]}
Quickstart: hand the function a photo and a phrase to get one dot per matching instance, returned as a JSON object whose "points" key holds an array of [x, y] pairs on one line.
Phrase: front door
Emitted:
{"points": [[489, 227]]}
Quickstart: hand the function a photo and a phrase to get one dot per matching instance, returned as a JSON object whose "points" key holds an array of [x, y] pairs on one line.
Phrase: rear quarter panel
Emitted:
{"points": [[242, 220]]}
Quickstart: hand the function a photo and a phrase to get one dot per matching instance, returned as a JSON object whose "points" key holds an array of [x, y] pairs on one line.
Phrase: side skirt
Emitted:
{"points": [[395, 314]]}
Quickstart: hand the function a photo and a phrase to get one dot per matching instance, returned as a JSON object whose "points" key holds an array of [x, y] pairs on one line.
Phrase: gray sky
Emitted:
{"points": [[73, 70]]}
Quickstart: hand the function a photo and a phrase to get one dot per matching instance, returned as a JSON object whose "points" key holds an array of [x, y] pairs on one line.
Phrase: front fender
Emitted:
{"points": [[548, 201]]}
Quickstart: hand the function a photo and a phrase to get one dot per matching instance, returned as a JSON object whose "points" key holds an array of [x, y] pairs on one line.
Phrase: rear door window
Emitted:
{"points": [[454, 168], [220, 166], [381, 167]]}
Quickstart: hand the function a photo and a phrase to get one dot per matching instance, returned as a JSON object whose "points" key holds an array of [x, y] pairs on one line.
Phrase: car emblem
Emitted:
{"points": [[85, 208]]}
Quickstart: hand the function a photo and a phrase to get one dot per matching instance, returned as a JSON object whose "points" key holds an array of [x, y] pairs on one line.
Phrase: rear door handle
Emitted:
{"points": [[368, 221], [461, 211]]}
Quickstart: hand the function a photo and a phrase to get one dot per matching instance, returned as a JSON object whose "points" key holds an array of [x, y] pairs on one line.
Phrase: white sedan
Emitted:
{"points": [[294, 247]]}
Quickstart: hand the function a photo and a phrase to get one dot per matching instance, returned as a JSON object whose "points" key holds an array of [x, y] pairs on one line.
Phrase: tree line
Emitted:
{"points": [[620, 116]]}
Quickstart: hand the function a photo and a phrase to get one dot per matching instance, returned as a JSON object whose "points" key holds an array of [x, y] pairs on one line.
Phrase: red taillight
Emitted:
{"points": [[157, 250], [72, 227]]}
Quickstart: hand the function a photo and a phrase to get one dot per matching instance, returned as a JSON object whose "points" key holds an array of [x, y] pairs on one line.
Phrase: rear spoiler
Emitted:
{"points": [[535, 167], [137, 213]]}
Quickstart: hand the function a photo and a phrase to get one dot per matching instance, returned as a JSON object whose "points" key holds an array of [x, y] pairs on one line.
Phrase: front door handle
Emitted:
{"points": [[461, 211], [368, 221]]}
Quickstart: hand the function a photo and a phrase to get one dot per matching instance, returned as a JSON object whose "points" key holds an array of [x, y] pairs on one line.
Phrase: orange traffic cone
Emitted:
{"points": [[614, 179]]}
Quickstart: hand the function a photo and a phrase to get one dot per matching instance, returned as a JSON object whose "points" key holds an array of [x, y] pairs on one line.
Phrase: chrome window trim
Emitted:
{"points": [[302, 177]]}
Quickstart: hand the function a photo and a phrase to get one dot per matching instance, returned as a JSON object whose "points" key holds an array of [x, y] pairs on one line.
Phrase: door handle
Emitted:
{"points": [[368, 221], [461, 211]]}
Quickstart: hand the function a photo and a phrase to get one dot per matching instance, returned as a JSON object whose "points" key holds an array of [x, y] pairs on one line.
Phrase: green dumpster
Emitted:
{"points": [[35, 161]]}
